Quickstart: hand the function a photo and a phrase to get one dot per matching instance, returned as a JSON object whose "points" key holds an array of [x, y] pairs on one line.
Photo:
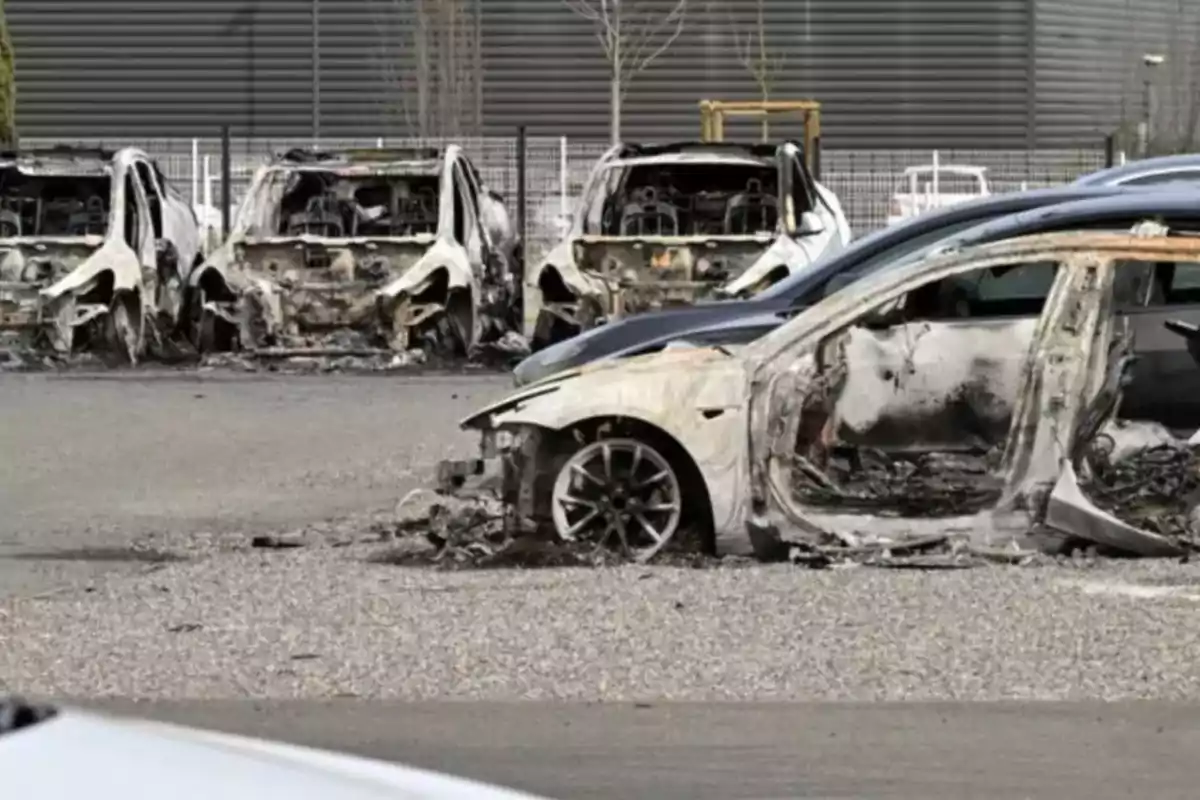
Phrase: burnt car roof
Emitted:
{"points": [[753, 149], [359, 155], [1162, 204], [64, 159], [59, 151]]}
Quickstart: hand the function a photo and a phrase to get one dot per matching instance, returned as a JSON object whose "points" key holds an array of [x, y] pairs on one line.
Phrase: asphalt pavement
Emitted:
{"points": [[92, 461], [733, 751]]}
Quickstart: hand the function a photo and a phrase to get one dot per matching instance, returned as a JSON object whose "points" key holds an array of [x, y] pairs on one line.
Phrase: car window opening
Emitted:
{"points": [[689, 200], [53, 205], [327, 204]]}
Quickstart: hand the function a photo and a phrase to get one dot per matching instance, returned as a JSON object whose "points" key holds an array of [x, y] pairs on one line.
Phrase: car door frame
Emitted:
{"points": [[145, 249], [1075, 325], [785, 158]]}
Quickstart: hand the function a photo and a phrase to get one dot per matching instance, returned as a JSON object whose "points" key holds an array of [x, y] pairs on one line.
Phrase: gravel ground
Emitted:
{"points": [[106, 464], [319, 622]]}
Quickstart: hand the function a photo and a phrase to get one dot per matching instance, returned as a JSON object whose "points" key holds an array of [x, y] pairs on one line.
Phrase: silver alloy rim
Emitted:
{"points": [[618, 492]]}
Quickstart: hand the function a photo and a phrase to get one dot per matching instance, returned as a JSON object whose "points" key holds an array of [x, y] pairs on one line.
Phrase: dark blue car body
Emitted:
{"points": [[734, 322], [1161, 171]]}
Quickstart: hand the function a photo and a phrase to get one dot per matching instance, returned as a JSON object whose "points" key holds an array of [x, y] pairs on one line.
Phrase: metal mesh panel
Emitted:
{"points": [[557, 168]]}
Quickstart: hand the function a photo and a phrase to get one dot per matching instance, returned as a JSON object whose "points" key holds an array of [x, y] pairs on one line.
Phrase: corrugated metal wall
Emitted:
{"points": [[141, 68], [891, 73], [1090, 75]]}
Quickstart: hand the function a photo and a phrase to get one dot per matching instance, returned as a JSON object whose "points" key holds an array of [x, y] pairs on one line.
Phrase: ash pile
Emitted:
{"points": [[351, 351]]}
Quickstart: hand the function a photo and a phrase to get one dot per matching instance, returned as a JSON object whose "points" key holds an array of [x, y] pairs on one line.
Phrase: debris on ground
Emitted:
{"points": [[315, 361], [349, 351], [277, 542], [473, 531], [1156, 489], [504, 352], [17, 359]]}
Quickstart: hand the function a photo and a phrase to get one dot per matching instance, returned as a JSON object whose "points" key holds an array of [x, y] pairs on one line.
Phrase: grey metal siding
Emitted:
{"points": [[1088, 61], [891, 73], [151, 68]]}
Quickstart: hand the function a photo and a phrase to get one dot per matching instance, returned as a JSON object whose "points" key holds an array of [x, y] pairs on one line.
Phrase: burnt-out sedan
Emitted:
{"points": [[895, 410], [386, 249]]}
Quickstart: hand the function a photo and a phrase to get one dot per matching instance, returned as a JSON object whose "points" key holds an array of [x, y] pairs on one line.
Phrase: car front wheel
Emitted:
{"points": [[619, 492]]}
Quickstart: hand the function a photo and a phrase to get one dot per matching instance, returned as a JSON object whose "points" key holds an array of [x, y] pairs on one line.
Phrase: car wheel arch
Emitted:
{"points": [[458, 301]]}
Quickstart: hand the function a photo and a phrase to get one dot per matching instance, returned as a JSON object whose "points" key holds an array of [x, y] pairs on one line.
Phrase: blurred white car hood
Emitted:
{"points": [[82, 755]]}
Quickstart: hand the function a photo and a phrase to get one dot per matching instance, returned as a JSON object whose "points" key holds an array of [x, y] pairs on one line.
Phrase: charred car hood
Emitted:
{"points": [[658, 367], [75, 754], [727, 321]]}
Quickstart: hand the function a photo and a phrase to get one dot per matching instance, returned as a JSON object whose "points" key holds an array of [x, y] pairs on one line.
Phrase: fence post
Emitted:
{"points": [[226, 173], [195, 170], [521, 215], [563, 167], [936, 164], [1110, 150], [379, 143], [208, 203]]}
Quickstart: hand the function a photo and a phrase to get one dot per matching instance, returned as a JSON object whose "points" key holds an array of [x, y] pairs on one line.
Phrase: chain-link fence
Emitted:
{"points": [[556, 169]]}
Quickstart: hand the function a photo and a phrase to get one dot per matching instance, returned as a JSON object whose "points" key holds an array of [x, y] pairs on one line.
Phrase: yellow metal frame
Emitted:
{"points": [[714, 112]]}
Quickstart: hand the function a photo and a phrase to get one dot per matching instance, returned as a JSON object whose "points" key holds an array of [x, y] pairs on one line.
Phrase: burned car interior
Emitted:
{"points": [[55, 204], [914, 419], [689, 199], [330, 204]]}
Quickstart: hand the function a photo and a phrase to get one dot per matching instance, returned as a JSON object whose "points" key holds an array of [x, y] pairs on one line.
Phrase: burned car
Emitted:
{"points": [[666, 225], [898, 409], [95, 249], [403, 248]]}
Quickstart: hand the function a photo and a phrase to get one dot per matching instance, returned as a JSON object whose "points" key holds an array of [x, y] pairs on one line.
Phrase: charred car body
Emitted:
{"points": [[883, 413], [405, 247], [95, 250], [664, 225]]}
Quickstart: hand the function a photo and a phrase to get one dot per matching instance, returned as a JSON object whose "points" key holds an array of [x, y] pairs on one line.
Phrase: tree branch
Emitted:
{"points": [[649, 32]]}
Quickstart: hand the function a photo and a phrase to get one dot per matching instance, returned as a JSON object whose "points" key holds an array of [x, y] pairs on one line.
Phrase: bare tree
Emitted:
{"points": [[632, 34], [754, 53], [431, 60], [8, 85]]}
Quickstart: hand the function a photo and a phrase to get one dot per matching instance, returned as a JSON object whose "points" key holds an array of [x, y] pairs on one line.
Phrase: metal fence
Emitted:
{"points": [[556, 168]]}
